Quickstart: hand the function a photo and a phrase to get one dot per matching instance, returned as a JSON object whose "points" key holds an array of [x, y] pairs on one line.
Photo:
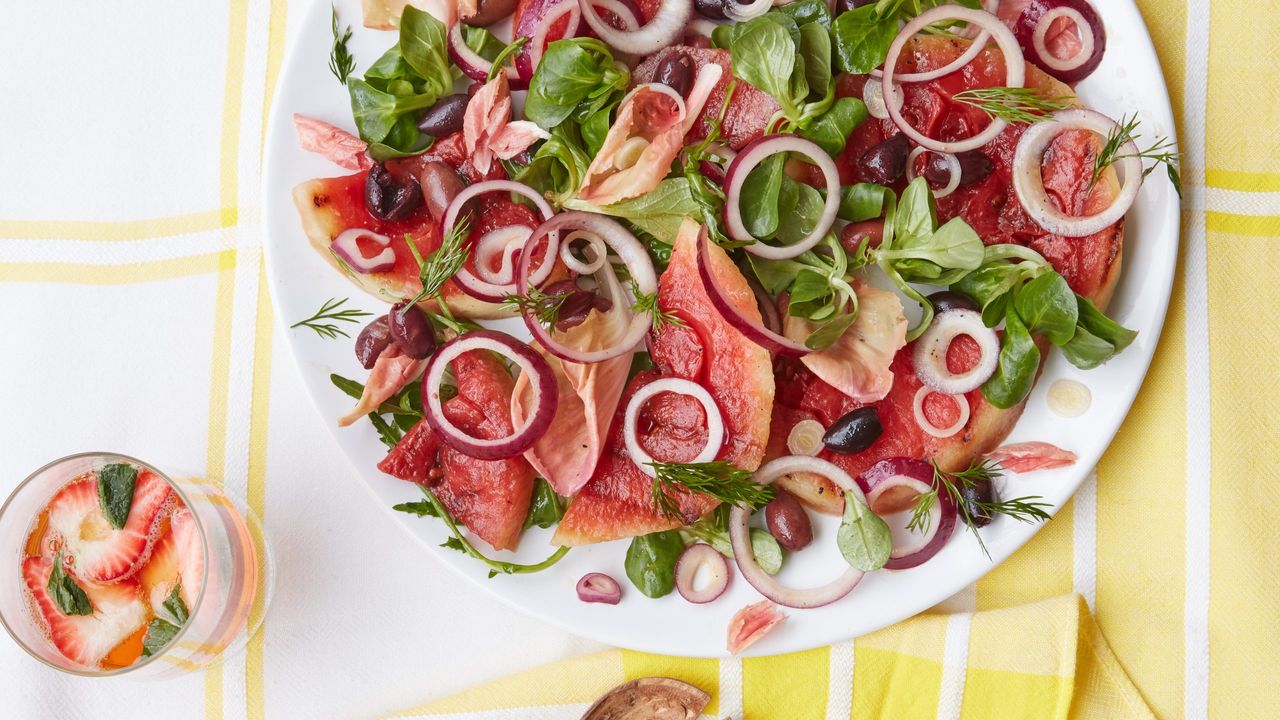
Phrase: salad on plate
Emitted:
{"points": [[768, 260]]}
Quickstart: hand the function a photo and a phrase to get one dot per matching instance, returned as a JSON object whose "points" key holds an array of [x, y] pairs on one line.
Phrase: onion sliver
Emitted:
{"points": [[892, 486], [953, 167], [347, 247], [504, 242], [473, 65], [750, 329], [694, 558], [497, 292], [1040, 34], [740, 536], [805, 437], [679, 386], [1028, 180], [668, 22], [1014, 63], [634, 257], [541, 379], [962, 417], [599, 588], [873, 97], [742, 12], [594, 245], [931, 352], [746, 161]]}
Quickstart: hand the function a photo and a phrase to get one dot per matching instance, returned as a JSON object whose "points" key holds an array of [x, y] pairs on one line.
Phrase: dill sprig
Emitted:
{"points": [[341, 63], [648, 303], [329, 311], [444, 262], [718, 479], [544, 305], [1024, 509], [1014, 105], [1162, 152]]}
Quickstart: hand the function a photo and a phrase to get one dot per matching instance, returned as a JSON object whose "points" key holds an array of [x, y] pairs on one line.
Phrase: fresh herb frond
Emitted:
{"points": [[1162, 152], [444, 262], [1014, 105], [648, 302], [341, 63], [509, 51], [329, 311], [1029, 509], [718, 479], [1024, 509], [545, 306]]}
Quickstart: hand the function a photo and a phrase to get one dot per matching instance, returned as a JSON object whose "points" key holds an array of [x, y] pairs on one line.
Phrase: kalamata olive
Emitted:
{"points": [[576, 305], [697, 40], [854, 432], [487, 12], [945, 300], [676, 72], [844, 6], [973, 494], [975, 166], [440, 185], [389, 198], [886, 161], [788, 522], [713, 9], [445, 117], [411, 330], [371, 341], [853, 234]]}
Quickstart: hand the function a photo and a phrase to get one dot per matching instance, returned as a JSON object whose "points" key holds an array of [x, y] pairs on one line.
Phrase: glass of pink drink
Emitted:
{"points": [[110, 565]]}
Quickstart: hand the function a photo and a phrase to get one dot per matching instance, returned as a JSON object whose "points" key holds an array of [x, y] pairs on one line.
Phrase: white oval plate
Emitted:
{"points": [[1128, 80]]}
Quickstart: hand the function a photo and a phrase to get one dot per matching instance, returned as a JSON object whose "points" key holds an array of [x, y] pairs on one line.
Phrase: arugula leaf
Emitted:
{"points": [[66, 594], [546, 508], [576, 77], [405, 408], [863, 538], [159, 634], [1016, 370], [831, 129], [863, 37], [115, 492], [1048, 307]]}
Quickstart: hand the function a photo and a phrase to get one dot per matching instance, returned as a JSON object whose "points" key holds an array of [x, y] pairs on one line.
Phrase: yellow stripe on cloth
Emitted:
{"points": [[1064, 670], [114, 230]]}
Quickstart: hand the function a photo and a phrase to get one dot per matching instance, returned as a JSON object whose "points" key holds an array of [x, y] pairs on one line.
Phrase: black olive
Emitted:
{"points": [[974, 167], [945, 300], [389, 199], [445, 117], [576, 305], [713, 9], [788, 522], [973, 495], [885, 162], [411, 330], [676, 72], [371, 341], [854, 432]]}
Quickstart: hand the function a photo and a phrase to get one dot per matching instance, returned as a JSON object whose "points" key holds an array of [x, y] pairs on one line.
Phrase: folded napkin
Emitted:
{"points": [[1043, 660]]}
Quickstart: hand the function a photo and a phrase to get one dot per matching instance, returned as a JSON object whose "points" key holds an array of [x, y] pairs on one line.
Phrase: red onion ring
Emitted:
{"points": [[599, 588], [535, 24], [750, 329], [979, 44], [953, 165], [694, 558], [930, 356], [746, 161], [884, 484], [679, 386], [1028, 182], [742, 12], [740, 537], [917, 408], [504, 241], [599, 253], [625, 14], [663, 30], [873, 98], [633, 256], [1015, 70], [497, 292], [473, 65], [347, 247], [542, 380], [1035, 22]]}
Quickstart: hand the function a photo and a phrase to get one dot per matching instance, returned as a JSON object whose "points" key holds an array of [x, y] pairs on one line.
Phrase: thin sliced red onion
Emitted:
{"points": [[504, 242], [873, 97], [892, 486], [597, 587], [620, 10], [633, 256], [917, 408], [746, 161], [537, 35], [975, 48], [1083, 29], [679, 386], [668, 22], [694, 558], [805, 437], [593, 248], [661, 89], [740, 537], [953, 166], [473, 65], [930, 356], [742, 12], [541, 379], [732, 314], [1028, 181], [490, 291], [1015, 69], [1036, 21], [347, 247]]}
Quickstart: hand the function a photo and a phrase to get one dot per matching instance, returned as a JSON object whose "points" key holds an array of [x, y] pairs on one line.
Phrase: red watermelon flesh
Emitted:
{"points": [[490, 497]]}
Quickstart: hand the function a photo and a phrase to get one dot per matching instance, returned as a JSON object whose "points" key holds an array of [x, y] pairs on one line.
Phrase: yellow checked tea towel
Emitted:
{"points": [[1039, 661]]}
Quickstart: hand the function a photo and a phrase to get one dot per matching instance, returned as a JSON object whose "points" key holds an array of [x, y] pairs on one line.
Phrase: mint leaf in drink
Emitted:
{"points": [[66, 594], [159, 634], [175, 607], [115, 492]]}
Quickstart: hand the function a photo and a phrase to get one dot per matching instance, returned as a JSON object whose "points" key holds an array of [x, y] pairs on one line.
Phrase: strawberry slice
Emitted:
{"points": [[118, 612], [177, 557], [99, 552]]}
